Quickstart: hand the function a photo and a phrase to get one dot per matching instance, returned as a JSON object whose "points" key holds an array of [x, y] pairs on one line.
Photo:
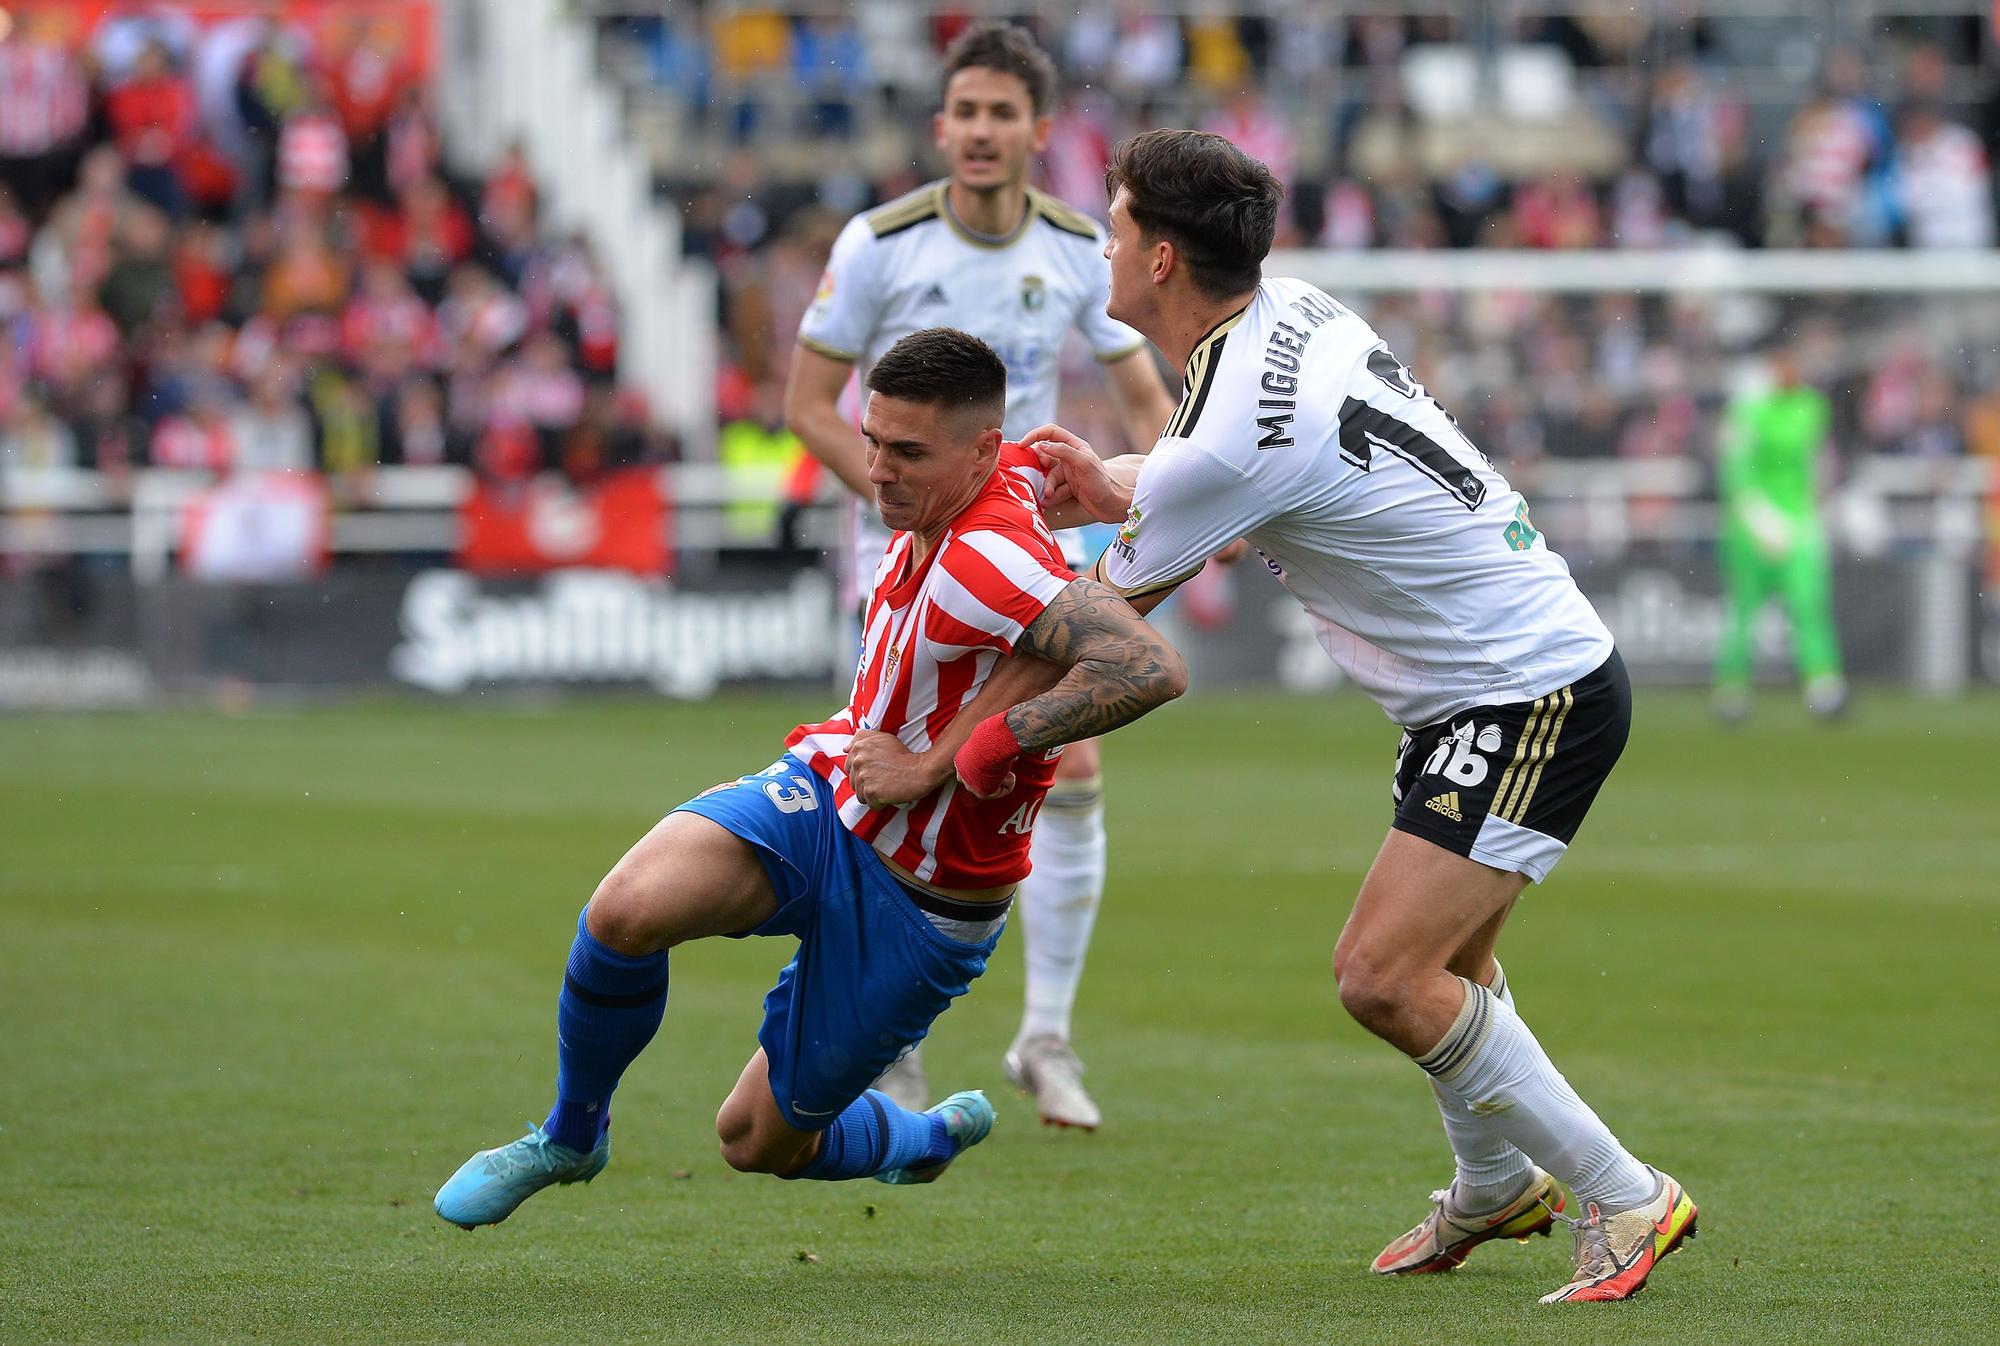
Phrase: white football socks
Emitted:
{"points": [[1059, 900], [1491, 1172], [1492, 1064]]}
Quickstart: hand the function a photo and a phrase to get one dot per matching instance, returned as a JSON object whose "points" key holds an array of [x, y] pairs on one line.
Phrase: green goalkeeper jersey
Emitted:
{"points": [[1771, 449]]}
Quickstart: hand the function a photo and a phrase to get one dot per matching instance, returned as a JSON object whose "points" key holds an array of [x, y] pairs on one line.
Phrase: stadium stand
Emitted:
{"points": [[239, 246]]}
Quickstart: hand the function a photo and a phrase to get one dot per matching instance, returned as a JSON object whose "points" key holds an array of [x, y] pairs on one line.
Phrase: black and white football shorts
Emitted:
{"points": [[1508, 785]]}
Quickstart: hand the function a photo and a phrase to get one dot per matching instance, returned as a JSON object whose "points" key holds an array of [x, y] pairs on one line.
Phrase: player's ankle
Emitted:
{"points": [[1485, 1198]]}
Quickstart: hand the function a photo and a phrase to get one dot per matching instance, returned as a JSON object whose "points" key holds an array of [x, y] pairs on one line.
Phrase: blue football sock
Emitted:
{"points": [[872, 1136], [609, 1010]]}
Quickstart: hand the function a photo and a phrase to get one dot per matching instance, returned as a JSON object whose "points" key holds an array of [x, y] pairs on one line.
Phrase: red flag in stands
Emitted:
{"points": [[617, 523]]}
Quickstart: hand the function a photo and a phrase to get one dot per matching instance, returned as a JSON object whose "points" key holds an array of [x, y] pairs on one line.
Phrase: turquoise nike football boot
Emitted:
{"points": [[488, 1186]]}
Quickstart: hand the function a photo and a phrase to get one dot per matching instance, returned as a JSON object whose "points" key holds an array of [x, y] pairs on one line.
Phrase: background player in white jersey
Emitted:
{"points": [[895, 908], [983, 252], [1434, 592]]}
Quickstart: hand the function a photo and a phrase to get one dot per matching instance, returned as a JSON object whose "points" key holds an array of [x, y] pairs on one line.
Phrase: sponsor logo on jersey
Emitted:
{"points": [[933, 296], [1128, 532], [1447, 804], [1033, 293]]}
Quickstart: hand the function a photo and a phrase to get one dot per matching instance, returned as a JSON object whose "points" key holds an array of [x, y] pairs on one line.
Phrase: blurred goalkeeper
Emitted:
{"points": [[1772, 542]]}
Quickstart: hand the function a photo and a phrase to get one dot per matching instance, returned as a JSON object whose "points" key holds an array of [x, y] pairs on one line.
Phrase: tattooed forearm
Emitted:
{"points": [[1119, 668]]}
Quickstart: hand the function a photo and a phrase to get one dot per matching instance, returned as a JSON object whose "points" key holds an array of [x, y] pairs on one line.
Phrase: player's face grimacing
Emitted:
{"points": [[925, 462], [988, 129]]}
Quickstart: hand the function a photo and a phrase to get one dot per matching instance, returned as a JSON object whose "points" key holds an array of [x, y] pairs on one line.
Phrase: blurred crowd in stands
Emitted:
{"points": [[237, 245], [1633, 132]]}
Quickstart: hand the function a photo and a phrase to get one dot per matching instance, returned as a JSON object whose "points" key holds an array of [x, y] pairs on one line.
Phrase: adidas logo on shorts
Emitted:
{"points": [[1447, 804]]}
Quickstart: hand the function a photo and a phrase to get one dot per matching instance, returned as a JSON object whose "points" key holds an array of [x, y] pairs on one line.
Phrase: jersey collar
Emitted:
{"points": [[1210, 338], [977, 240]]}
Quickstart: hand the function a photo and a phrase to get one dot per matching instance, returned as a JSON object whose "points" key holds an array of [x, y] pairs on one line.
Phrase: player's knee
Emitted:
{"points": [[745, 1155], [621, 915], [748, 1150], [1371, 994]]}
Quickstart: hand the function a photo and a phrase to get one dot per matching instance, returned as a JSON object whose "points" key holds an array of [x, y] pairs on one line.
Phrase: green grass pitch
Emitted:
{"points": [[266, 980]]}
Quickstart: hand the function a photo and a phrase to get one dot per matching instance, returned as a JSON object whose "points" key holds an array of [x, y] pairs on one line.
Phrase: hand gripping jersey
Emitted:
{"points": [[910, 264], [935, 629], [1413, 556]]}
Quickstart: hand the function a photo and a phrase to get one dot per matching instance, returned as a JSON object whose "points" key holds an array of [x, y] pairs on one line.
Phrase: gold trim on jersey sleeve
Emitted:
{"points": [[1142, 590], [1061, 214], [821, 348], [908, 209]]}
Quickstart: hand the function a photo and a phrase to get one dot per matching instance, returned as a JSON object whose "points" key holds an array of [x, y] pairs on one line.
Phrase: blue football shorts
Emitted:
{"points": [[871, 974]]}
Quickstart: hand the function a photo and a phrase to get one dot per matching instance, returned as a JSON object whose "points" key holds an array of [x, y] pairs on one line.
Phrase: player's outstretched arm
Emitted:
{"points": [[1119, 669], [812, 412]]}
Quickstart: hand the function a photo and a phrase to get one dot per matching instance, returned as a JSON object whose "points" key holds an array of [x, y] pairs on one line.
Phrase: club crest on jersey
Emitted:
{"points": [[889, 662], [1034, 293], [1128, 532]]}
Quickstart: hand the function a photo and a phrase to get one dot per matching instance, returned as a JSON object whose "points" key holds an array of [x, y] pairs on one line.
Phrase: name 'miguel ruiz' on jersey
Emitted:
{"points": [[1416, 561]]}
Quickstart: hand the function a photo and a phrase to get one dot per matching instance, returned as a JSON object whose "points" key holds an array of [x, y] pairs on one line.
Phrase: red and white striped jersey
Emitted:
{"points": [[935, 629]]}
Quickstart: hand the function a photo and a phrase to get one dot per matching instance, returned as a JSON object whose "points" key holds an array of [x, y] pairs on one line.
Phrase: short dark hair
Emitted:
{"points": [[942, 367], [1213, 202], [1009, 50]]}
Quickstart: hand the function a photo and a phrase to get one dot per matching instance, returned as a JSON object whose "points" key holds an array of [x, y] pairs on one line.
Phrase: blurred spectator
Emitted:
{"points": [[1246, 122], [200, 439], [110, 438], [306, 276], [753, 50], [1216, 59], [271, 432], [43, 104], [312, 152], [830, 66], [1148, 54], [1837, 156], [139, 289], [1946, 188], [152, 119], [413, 429], [1936, 432], [16, 230], [1079, 147], [34, 441], [1683, 139], [1347, 216]]}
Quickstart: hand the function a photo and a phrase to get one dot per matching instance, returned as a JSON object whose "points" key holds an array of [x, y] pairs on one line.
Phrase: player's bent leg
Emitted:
{"points": [[1059, 902], [686, 878], [1418, 906], [870, 1138]]}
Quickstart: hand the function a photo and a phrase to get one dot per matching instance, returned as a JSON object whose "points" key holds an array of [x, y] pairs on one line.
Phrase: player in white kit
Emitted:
{"points": [[1432, 590], [985, 253]]}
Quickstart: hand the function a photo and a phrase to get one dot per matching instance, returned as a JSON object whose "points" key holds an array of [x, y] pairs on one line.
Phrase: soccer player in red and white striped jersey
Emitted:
{"points": [[939, 619], [893, 874]]}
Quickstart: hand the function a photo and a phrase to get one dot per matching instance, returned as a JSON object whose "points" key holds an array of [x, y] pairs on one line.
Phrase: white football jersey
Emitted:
{"points": [[1415, 559], [910, 264]]}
